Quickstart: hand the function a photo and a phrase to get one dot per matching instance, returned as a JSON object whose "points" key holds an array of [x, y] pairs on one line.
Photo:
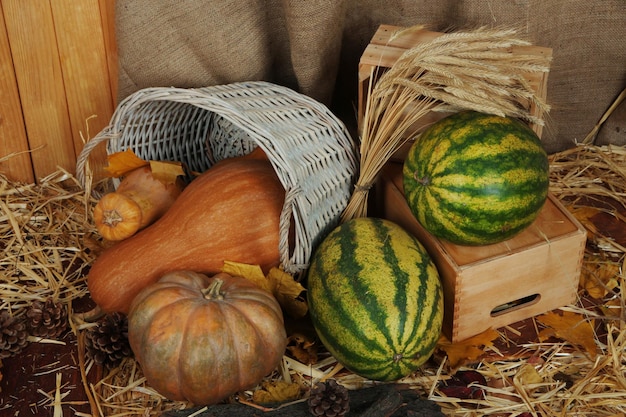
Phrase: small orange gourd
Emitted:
{"points": [[139, 200], [203, 339], [230, 212]]}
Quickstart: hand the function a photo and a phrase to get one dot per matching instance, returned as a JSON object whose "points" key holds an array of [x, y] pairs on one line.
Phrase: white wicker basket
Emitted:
{"points": [[310, 149]]}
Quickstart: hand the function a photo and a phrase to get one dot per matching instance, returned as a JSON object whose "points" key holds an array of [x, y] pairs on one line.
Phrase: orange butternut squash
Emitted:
{"points": [[230, 212], [139, 200]]}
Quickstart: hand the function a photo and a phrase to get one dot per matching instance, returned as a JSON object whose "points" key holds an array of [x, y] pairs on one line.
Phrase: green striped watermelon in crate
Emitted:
{"points": [[475, 178], [490, 286]]}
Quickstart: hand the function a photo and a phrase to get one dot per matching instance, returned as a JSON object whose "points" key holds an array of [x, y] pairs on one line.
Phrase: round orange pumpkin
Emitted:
{"points": [[203, 339]]}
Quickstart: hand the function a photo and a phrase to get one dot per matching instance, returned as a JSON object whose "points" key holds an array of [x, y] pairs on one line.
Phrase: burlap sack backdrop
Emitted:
{"points": [[314, 46]]}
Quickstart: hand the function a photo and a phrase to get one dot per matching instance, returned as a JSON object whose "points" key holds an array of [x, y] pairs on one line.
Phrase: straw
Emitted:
{"points": [[49, 241]]}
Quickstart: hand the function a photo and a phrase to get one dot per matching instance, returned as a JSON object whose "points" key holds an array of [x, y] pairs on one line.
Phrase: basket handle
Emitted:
{"points": [[83, 158], [287, 262]]}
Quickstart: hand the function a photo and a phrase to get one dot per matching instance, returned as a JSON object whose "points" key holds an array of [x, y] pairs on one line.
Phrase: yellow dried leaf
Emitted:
{"points": [[598, 277], [253, 273], [467, 350], [120, 163], [528, 374], [571, 327], [276, 392], [288, 292], [612, 309], [167, 172], [584, 215], [303, 348]]}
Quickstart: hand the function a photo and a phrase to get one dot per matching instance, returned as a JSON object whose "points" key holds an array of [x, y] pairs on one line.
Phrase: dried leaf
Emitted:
{"points": [[584, 215], [465, 385], [527, 374], [287, 291], [253, 273], [571, 327], [276, 392], [166, 171], [612, 310], [468, 350], [302, 348], [120, 163], [599, 276]]}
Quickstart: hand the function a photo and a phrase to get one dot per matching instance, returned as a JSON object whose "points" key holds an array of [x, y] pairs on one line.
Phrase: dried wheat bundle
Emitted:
{"points": [[465, 70]]}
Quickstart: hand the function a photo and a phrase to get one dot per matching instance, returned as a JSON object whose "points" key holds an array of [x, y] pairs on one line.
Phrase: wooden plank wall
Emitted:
{"points": [[58, 77]]}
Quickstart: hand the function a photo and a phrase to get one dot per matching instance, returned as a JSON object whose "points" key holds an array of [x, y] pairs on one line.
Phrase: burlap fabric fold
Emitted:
{"points": [[314, 46]]}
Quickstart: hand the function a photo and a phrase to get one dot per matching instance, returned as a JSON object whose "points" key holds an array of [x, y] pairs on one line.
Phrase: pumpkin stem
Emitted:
{"points": [[214, 290]]}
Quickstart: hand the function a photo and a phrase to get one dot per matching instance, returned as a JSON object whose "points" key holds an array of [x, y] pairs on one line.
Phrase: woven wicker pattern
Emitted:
{"points": [[310, 149]]}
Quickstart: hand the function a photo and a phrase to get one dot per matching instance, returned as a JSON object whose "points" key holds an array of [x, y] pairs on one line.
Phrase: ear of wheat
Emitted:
{"points": [[472, 70]]}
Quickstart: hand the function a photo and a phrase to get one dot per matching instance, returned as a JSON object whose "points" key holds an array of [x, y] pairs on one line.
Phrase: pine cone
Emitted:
{"points": [[329, 400], [13, 335], [107, 343], [46, 319]]}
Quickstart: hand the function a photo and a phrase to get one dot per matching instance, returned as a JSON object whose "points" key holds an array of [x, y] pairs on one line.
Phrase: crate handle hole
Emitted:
{"points": [[515, 305]]}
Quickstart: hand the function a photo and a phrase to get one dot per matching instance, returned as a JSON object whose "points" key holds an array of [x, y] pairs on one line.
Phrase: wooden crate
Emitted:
{"points": [[389, 43], [495, 285]]}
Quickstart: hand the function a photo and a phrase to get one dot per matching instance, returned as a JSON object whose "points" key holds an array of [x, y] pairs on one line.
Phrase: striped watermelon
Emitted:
{"points": [[476, 179], [375, 298]]}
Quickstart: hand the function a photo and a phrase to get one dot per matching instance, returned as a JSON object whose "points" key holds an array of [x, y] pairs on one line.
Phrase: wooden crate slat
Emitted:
{"points": [[18, 167], [400, 37], [31, 34]]}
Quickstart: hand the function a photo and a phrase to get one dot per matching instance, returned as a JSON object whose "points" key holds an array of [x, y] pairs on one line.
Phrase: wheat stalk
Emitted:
{"points": [[472, 70]]}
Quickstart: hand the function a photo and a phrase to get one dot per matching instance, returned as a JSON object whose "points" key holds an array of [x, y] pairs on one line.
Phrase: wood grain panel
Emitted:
{"points": [[107, 14], [31, 34], [14, 157], [83, 57]]}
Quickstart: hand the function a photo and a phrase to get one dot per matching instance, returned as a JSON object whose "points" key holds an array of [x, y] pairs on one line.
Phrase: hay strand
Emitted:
{"points": [[591, 136]]}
